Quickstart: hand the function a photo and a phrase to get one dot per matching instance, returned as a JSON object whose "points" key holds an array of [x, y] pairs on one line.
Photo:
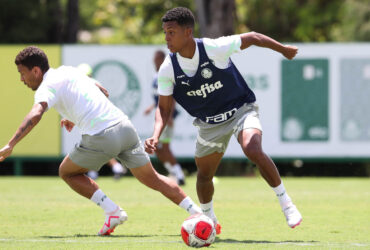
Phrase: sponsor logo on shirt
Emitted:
{"points": [[204, 64], [221, 117], [205, 89], [185, 83], [180, 76]]}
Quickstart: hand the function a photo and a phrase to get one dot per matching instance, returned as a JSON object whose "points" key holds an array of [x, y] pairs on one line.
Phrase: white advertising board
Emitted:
{"points": [[314, 106]]}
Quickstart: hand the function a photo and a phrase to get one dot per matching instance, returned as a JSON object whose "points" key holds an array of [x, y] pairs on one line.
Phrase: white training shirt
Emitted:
{"points": [[218, 50], [76, 97]]}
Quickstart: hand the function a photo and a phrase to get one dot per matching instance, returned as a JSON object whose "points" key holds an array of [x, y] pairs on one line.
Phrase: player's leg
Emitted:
{"points": [[207, 166], [149, 177], [134, 157], [211, 144], [251, 142], [166, 156], [74, 176], [250, 139]]}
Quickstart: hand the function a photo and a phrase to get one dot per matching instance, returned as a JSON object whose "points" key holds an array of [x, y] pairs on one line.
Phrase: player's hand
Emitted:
{"points": [[151, 145], [148, 110], [290, 51], [5, 152], [67, 124]]}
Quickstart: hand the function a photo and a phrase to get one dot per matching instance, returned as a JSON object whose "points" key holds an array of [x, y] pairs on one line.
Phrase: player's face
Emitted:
{"points": [[176, 36], [30, 77]]}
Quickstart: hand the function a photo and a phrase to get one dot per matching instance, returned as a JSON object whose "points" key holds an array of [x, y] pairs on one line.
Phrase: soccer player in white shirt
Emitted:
{"points": [[106, 133]]}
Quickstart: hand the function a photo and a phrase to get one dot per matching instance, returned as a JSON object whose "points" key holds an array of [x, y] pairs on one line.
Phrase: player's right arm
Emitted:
{"points": [[162, 115], [29, 122]]}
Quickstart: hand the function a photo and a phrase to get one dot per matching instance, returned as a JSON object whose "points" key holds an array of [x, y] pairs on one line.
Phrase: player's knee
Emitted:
{"points": [[204, 176], [253, 151], [62, 173]]}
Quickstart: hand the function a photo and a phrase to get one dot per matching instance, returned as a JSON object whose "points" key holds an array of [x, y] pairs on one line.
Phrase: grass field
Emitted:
{"points": [[44, 213]]}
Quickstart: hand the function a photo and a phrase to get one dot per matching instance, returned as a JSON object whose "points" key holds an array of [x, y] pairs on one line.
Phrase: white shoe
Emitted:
{"points": [[112, 220], [292, 215]]}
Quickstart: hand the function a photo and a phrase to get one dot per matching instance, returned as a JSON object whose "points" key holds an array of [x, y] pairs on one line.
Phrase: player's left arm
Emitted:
{"points": [[29, 122], [254, 38]]}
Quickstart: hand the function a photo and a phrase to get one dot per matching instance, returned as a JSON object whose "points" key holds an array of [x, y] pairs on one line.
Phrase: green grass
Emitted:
{"points": [[44, 213]]}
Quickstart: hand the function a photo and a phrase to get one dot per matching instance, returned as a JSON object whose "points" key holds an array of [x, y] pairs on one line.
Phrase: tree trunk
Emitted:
{"points": [[72, 22], [55, 29], [216, 17]]}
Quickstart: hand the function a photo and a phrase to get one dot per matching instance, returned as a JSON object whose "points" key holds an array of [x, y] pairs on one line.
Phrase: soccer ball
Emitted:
{"points": [[198, 231]]}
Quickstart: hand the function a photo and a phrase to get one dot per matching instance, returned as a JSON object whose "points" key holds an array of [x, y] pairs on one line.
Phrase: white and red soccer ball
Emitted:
{"points": [[198, 231]]}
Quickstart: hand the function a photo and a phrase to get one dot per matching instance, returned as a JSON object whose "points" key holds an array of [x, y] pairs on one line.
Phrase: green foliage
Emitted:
{"points": [[23, 21], [290, 20], [139, 21], [44, 213], [132, 21], [355, 22]]}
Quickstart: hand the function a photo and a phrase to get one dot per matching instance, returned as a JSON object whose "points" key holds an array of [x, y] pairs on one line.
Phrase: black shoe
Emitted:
{"points": [[181, 182]]}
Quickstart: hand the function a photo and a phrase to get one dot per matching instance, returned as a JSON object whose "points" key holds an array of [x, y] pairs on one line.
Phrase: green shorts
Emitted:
{"points": [[215, 137], [119, 141]]}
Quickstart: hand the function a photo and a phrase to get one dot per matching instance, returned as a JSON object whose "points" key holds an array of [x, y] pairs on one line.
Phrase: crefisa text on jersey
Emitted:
{"points": [[205, 89]]}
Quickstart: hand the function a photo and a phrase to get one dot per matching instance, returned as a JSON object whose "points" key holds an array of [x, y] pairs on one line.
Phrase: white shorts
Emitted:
{"points": [[215, 137]]}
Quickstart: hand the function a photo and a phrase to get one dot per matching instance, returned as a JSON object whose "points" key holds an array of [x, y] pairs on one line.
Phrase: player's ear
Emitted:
{"points": [[37, 71], [189, 31]]}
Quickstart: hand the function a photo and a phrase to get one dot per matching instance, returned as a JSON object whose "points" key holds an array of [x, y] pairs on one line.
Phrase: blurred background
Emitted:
{"points": [[314, 109]]}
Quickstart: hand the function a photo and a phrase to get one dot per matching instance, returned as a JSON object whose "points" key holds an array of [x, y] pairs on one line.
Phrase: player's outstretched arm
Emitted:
{"points": [[162, 114], [30, 121], [254, 38]]}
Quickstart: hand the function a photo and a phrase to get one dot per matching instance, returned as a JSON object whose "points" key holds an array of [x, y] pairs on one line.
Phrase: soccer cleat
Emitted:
{"points": [[218, 228], [112, 220], [292, 215]]}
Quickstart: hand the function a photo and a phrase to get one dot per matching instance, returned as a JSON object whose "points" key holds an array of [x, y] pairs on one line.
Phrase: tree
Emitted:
{"points": [[72, 22], [216, 17]]}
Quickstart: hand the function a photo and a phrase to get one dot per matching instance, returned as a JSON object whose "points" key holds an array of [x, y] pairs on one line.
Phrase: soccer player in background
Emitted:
{"points": [[106, 133], [163, 151], [117, 169], [201, 77]]}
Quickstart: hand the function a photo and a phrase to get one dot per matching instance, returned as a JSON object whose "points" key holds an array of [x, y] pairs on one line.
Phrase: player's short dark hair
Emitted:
{"points": [[32, 57], [183, 16]]}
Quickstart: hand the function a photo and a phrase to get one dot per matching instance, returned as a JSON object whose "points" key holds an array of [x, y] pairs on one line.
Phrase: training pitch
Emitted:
{"points": [[44, 213]]}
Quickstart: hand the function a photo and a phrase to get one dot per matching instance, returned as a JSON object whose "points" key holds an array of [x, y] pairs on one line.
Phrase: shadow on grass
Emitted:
{"points": [[106, 236], [218, 240]]}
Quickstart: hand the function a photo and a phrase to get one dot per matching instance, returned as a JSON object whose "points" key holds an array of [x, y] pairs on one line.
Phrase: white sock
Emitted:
{"points": [[207, 209], [103, 201], [190, 206], [117, 168], [178, 171], [169, 168], [93, 174], [282, 195]]}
